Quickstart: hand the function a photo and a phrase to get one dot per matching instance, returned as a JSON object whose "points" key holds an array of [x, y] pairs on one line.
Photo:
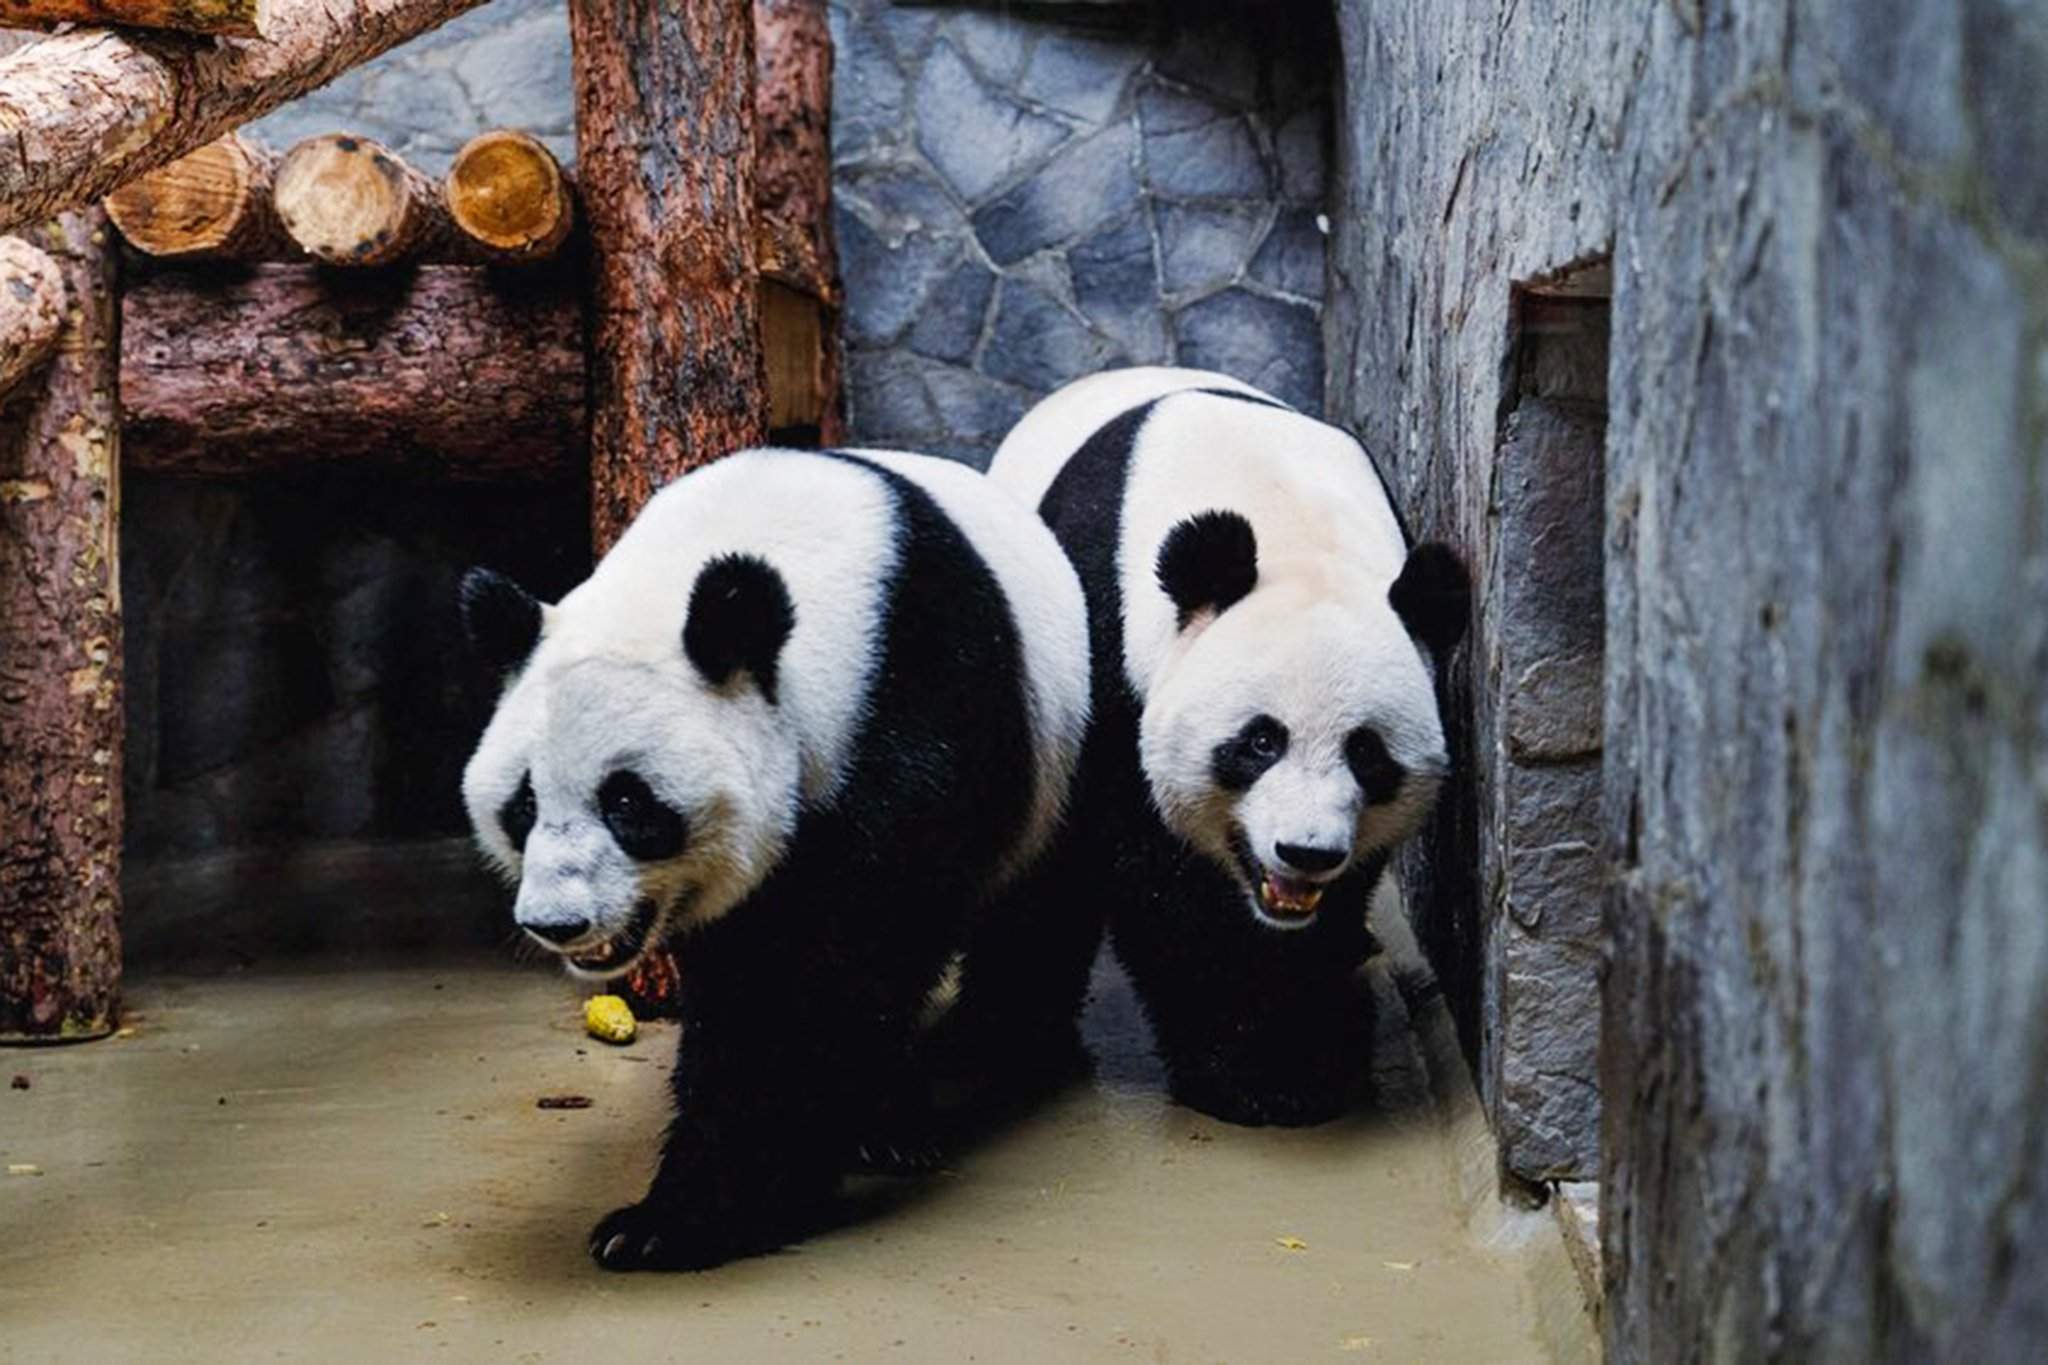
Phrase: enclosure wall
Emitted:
{"points": [[1825, 1045]]}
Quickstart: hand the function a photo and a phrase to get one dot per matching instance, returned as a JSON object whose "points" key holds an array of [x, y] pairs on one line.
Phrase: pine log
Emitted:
{"points": [[445, 371], [797, 257], [508, 197], [31, 309], [214, 204], [85, 112], [226, 18], [346, 200], [665, 135], [60, 666]]}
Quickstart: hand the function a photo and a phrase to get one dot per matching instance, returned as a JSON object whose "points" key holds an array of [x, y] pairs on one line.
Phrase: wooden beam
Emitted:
{"points": [[665, 132], [346, 200], [446, 371], [508, 197], [83, 113], [214, 204], [31, 309], [224, 18], [60, 666]]}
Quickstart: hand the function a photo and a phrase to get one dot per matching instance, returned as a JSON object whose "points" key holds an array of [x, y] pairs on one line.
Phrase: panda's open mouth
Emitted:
{"points": [[622, 949], [1280, 900]]}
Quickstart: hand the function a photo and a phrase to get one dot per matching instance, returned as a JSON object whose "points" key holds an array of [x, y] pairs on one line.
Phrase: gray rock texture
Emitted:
{"points": [[1121, 184], [1822, 858]]}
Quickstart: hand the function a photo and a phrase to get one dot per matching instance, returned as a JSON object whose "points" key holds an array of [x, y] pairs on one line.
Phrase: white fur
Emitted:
{"points": [[610, 687], [1316, 644]]}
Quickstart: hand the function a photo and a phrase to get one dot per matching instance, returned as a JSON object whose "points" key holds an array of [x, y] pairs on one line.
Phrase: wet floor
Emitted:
{"points": [[349, 1164]]}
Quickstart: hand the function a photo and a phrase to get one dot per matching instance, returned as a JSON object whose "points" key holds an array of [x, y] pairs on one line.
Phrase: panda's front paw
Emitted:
{"points": [[655, 1235]]}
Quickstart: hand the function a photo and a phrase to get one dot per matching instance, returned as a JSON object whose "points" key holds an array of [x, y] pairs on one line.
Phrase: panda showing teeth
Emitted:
{"points": [[809, 725], [1265, 728]]}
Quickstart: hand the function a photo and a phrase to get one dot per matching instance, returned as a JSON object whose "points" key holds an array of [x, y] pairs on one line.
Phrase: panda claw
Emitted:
{"points": [[611, 1249]]}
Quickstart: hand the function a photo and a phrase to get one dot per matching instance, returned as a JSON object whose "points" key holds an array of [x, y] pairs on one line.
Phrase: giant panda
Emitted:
{"points": [[1265, 719], [805, 724]]}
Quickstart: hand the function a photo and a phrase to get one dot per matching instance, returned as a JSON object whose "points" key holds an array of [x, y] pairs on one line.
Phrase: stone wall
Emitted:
{"points": [[1825, 749], [1028, 194]]}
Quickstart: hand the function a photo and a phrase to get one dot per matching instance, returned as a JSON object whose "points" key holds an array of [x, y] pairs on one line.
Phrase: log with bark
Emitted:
{"points": [[346, 200], [213, 204], [794, 246], [224, 18], [508, 197], [85, 112], [665, 132], [60, 666], [31, 309], [446, 371]]}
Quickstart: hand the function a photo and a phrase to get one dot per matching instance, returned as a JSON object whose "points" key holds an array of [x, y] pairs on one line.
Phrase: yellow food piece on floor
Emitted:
{"points": [[608, 1018]]}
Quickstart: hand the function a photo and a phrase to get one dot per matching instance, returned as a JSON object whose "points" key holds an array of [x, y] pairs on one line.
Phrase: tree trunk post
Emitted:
{"points": [[665, 136], [60, 665]]}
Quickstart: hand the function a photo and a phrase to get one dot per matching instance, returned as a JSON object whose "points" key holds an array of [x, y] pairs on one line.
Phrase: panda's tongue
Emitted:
{"points": [[1289, 896]]}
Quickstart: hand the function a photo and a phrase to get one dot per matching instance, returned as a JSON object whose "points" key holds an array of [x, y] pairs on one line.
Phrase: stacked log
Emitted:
{"points": [[225, 18], [507, 196], [346, 200], [60, 666], [85, 112], [212, 205], [31, 309]]}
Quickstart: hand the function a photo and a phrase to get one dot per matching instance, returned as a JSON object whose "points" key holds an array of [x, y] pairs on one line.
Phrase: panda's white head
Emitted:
{"points": [[636, 780], [1292, 731]]}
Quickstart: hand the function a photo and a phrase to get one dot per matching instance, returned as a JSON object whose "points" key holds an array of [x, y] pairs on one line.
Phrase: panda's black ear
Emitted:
{"points": [[1433, 596], [1208, 563], [501, 619], [740, 616]]}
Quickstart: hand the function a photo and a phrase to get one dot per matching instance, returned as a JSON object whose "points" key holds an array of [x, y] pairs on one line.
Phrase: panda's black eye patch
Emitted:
{"points": [[1242, 759], [1379, 776], [645, 828], [518, 814]]}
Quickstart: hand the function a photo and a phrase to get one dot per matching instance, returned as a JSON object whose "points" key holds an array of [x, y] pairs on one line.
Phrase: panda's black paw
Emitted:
{"points": [[653, 1235], [1262, 1103]]}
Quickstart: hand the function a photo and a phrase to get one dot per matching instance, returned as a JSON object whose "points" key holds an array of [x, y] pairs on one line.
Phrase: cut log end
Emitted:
{"points": [[212, 203], [347, 200], [31, 309], [507, 194]]}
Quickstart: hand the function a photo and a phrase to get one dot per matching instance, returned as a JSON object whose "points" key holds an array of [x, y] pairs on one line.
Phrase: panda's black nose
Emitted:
{"points": [[1302, 858], [559, 931]]}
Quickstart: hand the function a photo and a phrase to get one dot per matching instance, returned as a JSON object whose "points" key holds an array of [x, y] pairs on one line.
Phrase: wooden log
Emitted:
{"points": [[60, 666], [665, 135], [346, 200], [798, 259], [508, 197], [445, 371], [31, 309], [85, 112], [213, 204], [225, 18]]}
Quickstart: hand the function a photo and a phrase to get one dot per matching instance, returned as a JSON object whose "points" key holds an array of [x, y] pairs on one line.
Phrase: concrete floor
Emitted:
{"points": [[348, 1164]]}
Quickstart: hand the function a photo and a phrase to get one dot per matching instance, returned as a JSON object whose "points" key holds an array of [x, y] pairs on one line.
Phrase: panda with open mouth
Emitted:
{"points": [[808, 724], [1265, 723]]}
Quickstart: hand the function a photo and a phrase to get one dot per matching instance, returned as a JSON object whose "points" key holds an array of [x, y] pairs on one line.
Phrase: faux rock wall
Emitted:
{"points": [[1825, 762], [1028, 194]]}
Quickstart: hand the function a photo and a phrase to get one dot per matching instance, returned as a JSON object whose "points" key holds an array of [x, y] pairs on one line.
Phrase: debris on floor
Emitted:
{"points": [[563, 1102]]}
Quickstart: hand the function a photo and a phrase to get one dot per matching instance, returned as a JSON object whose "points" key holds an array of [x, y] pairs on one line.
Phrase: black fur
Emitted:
{"points": [[740, 616], [1243, 758], [501, 619], [800, 1012], [1208, 563], [1254, 1025], [1433, 596], [519, 814], [645, 827], [1379, 775]]}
